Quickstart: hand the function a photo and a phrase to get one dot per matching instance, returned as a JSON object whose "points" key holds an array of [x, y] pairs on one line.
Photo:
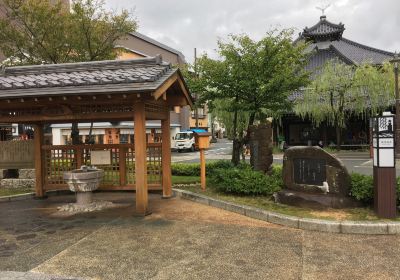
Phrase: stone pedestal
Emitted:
{"points": [[315, 201], [84, 198], [261, 147], [316, 179]]}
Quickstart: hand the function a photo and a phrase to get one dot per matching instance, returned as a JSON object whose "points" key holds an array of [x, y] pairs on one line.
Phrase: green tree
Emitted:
{"points": [[341, 91], [253, 77], [39, 31]]}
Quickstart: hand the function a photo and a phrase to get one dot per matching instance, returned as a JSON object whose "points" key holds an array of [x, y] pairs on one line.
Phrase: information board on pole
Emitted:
{"points": [[383, 141]]}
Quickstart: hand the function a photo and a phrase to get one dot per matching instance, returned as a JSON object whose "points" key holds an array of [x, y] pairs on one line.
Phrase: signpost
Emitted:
{"points": [[203, 142], [384, 165]]}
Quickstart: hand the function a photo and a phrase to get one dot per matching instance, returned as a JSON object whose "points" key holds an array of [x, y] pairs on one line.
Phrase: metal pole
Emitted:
{"points": [[396, 88], [196, 111]]}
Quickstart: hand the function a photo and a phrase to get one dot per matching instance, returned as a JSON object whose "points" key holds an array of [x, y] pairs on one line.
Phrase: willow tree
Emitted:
{"points": [[341, 91]]}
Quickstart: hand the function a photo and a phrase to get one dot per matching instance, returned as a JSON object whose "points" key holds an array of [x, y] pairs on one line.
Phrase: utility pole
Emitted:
{"points": [[395, 63], [196, 111]]}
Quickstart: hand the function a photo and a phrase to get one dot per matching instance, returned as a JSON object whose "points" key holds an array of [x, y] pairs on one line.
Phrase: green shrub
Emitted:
{"points": [[362, 187], [193, 169], [185, 169], [243, 180]]}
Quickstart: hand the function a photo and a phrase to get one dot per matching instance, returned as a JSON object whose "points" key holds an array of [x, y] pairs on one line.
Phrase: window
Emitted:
{"points": [[124, 139]]}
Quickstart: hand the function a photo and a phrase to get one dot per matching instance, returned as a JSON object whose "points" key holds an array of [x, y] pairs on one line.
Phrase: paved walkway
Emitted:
{"points": [[180, 240]]}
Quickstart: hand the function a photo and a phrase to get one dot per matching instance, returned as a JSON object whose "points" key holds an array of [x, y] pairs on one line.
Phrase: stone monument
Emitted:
{"points": [[314, 178], [260, 140]]}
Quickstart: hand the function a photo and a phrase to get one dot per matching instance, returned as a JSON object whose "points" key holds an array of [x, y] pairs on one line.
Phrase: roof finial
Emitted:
{"points": [[323, 8]]}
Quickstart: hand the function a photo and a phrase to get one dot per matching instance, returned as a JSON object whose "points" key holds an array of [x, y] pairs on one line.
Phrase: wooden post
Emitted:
{"points": [[39, 160], [122, 166], [79, 157], [140, 160], [202, 170], [166, 157]]}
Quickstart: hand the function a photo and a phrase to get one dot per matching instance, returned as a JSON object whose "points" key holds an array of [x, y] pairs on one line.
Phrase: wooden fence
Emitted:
{"points": [[17, 154], [118, 175]]}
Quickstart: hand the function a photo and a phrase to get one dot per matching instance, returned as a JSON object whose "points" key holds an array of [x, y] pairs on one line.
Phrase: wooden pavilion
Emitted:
{"points": [[138, 90]]}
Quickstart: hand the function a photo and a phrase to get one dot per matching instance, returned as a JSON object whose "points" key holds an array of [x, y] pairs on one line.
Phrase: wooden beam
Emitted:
{"points": [[157, 115], [66, 118], [166, 157], [39, 160], [185, 91], [140, 160], [165, 86]]}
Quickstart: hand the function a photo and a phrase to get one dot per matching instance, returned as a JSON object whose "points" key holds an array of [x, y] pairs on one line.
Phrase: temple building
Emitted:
{"points": [[326, 42]]}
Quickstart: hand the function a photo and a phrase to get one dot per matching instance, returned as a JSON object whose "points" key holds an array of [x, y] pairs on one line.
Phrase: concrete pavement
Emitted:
{"points": [[181, 240]]}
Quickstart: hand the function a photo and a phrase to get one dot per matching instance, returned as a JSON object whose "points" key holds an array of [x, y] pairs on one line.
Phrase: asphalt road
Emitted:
{"points": [[359, 162]]}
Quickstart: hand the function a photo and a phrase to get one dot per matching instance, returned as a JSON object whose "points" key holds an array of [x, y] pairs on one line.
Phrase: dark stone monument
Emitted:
{"points": [[314, 178], [261, 146]]}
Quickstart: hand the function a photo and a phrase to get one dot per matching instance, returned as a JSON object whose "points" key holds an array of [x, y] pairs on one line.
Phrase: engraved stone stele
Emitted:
{"points": [[84, 181], [260, 141], [314, 178]]}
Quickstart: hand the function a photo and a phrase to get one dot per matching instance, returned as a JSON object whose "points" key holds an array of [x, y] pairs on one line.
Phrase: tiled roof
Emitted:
{"points": [[136, 74], [358, 53], [323, 29], [158, 44]]}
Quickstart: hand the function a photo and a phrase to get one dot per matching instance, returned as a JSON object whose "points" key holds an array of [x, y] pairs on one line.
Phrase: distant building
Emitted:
{"points": [[137, 45], [326, 43]]}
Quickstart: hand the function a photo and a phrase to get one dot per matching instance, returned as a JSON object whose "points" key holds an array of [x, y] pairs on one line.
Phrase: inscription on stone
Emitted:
{"points": [[309, 171]]}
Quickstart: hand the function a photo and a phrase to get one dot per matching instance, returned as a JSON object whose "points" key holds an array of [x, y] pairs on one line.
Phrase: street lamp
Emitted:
{"points": [[395, 61]]}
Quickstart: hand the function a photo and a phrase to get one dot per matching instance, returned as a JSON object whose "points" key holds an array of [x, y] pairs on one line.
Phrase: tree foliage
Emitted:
{"points": [[37, 31], [252, 78], [341, 91]]}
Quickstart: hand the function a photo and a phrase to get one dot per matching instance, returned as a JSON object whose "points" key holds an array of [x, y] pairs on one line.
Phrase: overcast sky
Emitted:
{"points": [[186, 24]]}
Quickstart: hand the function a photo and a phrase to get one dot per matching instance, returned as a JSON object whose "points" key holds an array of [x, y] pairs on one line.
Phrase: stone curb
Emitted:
{"points": [[31, 195], [16, 197], [346, 227]]}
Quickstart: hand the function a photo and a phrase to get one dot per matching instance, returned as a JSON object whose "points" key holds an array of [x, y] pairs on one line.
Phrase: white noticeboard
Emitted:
{"points": [[100, 157], [383, 141]]}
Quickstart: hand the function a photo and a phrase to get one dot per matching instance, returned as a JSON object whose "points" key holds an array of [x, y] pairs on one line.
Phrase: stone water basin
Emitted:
{"points": [[84, 181]]}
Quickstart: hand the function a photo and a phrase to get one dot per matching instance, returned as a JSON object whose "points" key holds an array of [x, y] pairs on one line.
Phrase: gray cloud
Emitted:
{"points": [[186, 24]]}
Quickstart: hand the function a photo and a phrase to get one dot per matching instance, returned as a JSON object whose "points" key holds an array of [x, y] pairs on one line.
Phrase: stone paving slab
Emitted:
{"points": [[181, 240], [12, 275]]}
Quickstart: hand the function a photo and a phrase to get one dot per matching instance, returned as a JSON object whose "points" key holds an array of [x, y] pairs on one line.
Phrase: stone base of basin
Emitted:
{"points": [[75, 208], [315, 201], [84, 198]]}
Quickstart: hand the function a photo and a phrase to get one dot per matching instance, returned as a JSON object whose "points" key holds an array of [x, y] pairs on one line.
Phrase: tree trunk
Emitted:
{"points": [[247, 140], [236, 151], [338, 138], [236, 142]]}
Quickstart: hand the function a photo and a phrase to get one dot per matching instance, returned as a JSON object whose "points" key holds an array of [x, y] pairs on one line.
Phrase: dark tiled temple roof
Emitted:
{"points": [[323, 30], [145, 74], [326, 43]]}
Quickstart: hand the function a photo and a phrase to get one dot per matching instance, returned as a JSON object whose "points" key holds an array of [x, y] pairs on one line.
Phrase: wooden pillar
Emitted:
{"points": [[166, 157], [203, 170], [122, 166], [140, 160], [39, 160]]}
